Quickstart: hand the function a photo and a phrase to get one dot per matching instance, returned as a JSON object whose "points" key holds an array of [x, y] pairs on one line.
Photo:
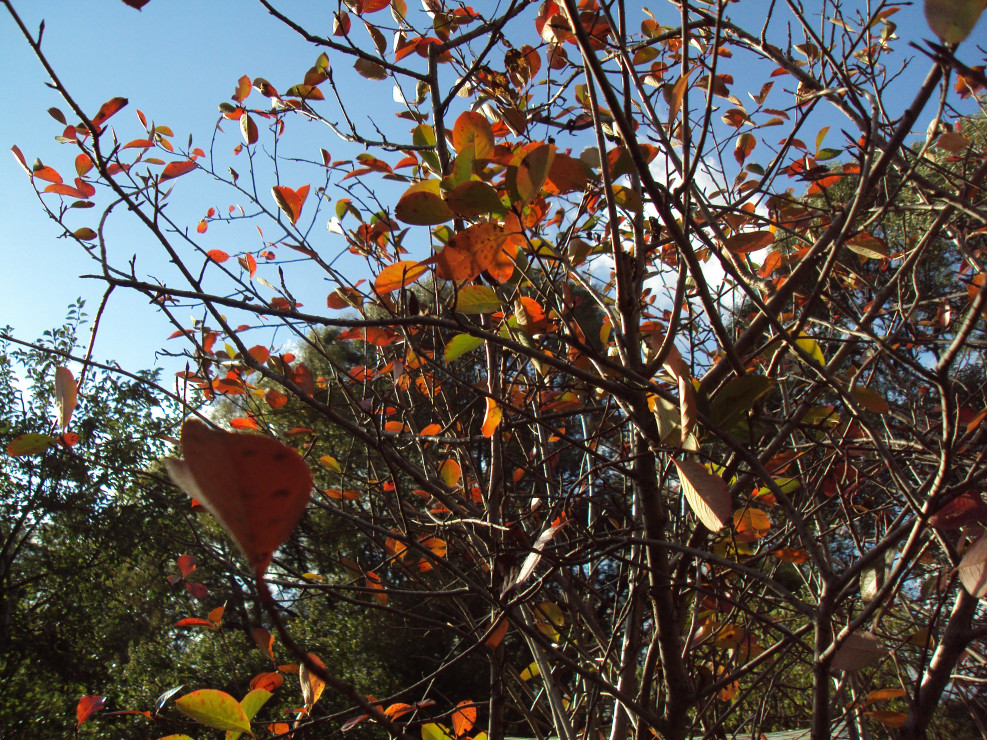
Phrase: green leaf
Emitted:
{"points": [[474, 198], [422, 205], [30, 444], [214, 709], [432, 731], [731, 404], [627, 198], [809, 345], [459, 345], [251, 704], [953, 20], [477, 299], [870, 400]]}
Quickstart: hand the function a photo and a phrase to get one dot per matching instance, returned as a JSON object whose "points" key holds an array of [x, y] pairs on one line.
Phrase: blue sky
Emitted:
{"points": [[175, 61]]}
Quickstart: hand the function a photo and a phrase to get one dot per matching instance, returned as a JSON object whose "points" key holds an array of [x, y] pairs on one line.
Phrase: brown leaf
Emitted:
{"points": [[706, 493]]}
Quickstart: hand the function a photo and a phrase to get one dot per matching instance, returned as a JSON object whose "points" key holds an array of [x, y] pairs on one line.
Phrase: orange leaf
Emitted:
{"points": [[257, 488], [177, 169], [749, 241], [217, 255], [491, 419], [312, 685], [469, 252], [244, 422], [473, 129], [106, 110], [497, 634], [275, 399], [398, 275], [463, 717], [269, 681], [216, 615], [264, 640], [290, 201]]}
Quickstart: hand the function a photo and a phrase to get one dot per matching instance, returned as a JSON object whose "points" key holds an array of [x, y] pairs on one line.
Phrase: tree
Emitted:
{"points": [[676, 428]]}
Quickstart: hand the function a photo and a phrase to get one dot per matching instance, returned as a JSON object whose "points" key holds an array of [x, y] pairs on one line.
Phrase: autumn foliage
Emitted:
{"points": [[635, 354]]}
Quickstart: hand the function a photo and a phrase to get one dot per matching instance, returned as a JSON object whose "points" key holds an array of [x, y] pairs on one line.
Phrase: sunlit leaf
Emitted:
{"points": [[177, 169], [290, 201], [398, 275], [215, 709], [312, 685], [459, 345], [256, 487], [707, 494], [491, 418], [87, 707], [973, 568], [65, 395], [477, 299], [422, 205], [30, 444]]}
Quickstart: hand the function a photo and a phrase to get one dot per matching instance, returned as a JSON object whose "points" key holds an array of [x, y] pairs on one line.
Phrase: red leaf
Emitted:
{"points": [[48, 174], [20, 158], [217, 255], [138, 4], [196, 622], [257, 488], [87, 707], [107, 109], [186, 564], [290, 201], [264, 640], [198, 591], [177, 169]]}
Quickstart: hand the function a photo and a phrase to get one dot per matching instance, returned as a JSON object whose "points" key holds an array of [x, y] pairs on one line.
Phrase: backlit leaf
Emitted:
{"points": [[290, 201], [470, 252], [30, 444], [706, 494], [473, 129], [477, 299], [422, 205], [312, 685], [257, 488], [491, 418], [251, 704], [397, 275], [458, 346], [177, 169], [215, 709], [973, 568], [953, 20], [463, 717], [87, 707], [749, 241], [65, 394]]}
